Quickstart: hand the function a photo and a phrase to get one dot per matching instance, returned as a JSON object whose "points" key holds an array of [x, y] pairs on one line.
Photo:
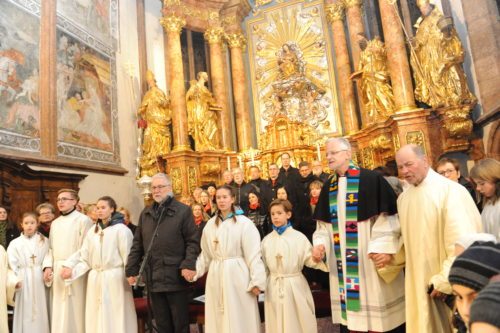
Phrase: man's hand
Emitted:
{"points": [[48, 274], [188, 274], [255, 291], [380, 259], [66, 273], [132, 280], [318, 253]]}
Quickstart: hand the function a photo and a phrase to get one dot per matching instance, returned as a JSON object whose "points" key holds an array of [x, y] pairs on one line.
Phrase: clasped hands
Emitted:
{"points": [[318, 253], [379, 259]]}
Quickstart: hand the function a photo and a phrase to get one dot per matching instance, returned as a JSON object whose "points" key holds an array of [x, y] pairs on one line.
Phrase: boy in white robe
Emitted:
{"points": [[26, 254], [230, 247], [289, 305]]}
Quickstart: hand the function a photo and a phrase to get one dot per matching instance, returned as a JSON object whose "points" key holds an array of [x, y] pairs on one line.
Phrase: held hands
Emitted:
{"points": [[66, 273], [188, 274], [132, 280], [318, 253], [255, 291], [380, 259], [48, 275]]}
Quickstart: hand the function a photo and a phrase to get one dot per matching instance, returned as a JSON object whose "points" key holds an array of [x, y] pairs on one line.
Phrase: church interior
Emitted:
{"points": [[100, 95]]}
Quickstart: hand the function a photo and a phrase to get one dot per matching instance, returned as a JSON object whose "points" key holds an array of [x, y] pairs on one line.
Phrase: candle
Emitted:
{"points": [[251, 155], [240, 164], [318, 151], [229, 163]]}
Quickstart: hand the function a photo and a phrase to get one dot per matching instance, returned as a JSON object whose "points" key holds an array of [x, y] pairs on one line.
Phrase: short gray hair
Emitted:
{"points": [[342, 141], [418, 150], [163, 176]]}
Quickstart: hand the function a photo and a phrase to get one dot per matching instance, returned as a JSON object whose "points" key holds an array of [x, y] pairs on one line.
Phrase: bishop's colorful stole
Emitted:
{"points": [[349, 291]]}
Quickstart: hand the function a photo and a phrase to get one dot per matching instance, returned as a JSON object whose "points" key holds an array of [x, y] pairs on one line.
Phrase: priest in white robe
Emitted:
{"points": [[434, 213], [289, 305], [66, 238], [358, 231], [109, 306], [26, 255], [231, 254], [8, 281]]}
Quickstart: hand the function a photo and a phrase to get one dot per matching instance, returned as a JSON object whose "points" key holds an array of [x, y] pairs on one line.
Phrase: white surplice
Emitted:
{"points": [[289, 305], [433, 215], [26, 255], [382, 304], [231, 255], [109, 306], [68, 302], [8, 281]]}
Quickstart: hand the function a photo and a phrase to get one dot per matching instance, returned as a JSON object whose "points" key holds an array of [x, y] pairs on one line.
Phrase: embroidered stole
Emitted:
{"points": [[349, 291]]}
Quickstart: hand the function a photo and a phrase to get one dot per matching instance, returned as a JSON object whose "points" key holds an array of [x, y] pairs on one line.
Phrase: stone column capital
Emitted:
{"points": [[236, 40], [352, 3], [214, 35], [335, 12], [173, 23]]}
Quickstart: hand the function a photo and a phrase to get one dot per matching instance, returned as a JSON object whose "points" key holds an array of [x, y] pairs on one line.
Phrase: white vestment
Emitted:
{"points": [[231, 254], [382, 304], [8, 281], [433, 215], [289, 305], [109, 306], [68, 302], [26, 256]]}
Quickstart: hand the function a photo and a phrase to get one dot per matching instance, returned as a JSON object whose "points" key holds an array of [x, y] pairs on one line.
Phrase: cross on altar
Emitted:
{"points": [[33, 257]]}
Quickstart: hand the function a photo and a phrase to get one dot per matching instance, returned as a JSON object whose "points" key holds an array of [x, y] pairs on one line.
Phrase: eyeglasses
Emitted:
{"points": [[46, 213], [335, 152], [159, 187], [64, 199], [446, 172]]}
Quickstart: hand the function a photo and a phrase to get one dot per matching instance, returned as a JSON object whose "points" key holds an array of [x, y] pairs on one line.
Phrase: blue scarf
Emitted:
{"points": [[281, 230]]}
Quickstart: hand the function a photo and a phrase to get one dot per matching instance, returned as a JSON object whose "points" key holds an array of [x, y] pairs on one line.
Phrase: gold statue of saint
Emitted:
{"points": [[437, 59], [376, 90], [202, 115], [156, 118]]}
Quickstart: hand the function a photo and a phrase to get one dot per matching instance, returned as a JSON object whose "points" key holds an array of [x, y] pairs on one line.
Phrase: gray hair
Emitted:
{"points": [[237, 170], [163, 176], [342, 141]]}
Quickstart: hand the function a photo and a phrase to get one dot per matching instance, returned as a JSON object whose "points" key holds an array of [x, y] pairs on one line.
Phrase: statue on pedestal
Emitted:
{"points": [[437, 59], [202, 115], [155, 118], [376, 90]]}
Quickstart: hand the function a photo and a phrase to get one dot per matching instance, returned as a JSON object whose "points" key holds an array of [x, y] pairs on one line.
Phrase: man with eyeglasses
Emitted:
{"points": [[172, 260], [46, 214], [450, 168], [358, 230], [434, 214], [67, 233]]}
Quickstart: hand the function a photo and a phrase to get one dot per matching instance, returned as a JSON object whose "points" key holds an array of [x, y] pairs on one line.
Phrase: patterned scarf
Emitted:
{"points": [[349, 293], [3, 233]]}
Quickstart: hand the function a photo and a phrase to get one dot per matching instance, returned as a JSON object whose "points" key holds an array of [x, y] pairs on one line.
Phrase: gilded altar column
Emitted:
{"points": [[237, 42], [214, 35], [173, 26], [355, 22], [335, 16], [397, 60]]}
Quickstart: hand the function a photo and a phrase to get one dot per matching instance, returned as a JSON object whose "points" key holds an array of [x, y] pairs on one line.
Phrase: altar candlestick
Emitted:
{"points": [[229, 163], [318, 151], [240, 164]]}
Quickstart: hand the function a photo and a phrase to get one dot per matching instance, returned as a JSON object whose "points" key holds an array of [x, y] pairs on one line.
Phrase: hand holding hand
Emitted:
{"points": [[131, 280], [48, 275], [19, 285], [66, 273], [380, 259], [255, 291], [188, 274], [318, 253]]}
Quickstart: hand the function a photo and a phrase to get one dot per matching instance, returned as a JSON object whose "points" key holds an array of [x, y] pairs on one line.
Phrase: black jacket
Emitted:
{"points": [[176, 246]]}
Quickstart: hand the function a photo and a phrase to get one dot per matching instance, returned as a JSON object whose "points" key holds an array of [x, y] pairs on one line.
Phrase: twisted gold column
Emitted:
{"points": [[214, 36], [335, 16], [397, 60], [173, 26], [237, 42]]}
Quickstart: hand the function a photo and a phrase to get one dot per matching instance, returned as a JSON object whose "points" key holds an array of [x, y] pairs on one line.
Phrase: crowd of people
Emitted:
{"points": [[418, 253]]}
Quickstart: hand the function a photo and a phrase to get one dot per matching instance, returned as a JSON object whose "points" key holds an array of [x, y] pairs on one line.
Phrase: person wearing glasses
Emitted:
{"points": [[46, 214], [169, 224], [358, 231], [67, 233], [450, 168]]}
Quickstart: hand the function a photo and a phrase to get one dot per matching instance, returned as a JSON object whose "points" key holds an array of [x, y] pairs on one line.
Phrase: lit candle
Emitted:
{"points": [[229, 163], [318, 151], [240, 164], [251, 156]]}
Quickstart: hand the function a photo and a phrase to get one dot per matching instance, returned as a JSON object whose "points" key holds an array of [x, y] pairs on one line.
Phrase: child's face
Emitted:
{"points": [[315, 192], [29, 225], [224, 200], [281, 194], [278, 215], [104, 211], [484, 187], [464, 299]]}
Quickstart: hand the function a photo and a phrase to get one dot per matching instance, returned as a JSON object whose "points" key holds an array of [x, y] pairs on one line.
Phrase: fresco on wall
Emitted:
{"points": [[19, 67], [84, 95]]}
